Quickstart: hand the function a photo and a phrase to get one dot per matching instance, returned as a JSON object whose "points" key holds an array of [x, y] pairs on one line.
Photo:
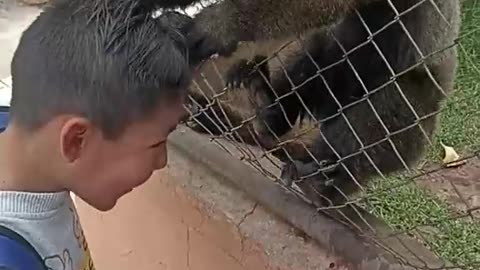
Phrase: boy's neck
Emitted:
{"points": [[20, 169]]}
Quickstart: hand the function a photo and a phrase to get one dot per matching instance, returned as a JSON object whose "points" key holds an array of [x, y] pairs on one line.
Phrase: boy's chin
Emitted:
{"points": [[103, 204], [104, 207]]}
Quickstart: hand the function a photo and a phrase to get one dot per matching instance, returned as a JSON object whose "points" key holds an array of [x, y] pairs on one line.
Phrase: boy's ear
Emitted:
{"points": [[74, 135]]}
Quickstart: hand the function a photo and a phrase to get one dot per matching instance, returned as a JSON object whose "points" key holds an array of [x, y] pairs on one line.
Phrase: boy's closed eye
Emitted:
{"points": [[155, 145], [162, 141]]}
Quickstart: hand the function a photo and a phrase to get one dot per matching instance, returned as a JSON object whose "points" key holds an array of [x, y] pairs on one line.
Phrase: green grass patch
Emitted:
{"points": [[460, 121], [410, 208]]}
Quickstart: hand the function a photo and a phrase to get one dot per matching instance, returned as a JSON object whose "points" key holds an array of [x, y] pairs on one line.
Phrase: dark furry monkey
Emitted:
{"points": [[375, 105]]}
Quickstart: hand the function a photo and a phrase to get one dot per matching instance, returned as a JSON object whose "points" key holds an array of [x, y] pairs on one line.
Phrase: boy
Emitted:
{"points": [[97, 88]]}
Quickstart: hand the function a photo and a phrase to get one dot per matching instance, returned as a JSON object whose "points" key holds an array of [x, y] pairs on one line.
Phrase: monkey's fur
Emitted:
{"points": [[431, 34], [231, 21]]}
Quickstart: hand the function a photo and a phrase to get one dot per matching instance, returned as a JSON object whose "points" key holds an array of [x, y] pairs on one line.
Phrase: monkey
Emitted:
{"points": [[227, 22], [235, 110], [375, 104]]}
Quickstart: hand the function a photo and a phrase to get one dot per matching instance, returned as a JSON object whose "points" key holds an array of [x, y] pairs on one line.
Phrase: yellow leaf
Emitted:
{"points": [[451, 158]]}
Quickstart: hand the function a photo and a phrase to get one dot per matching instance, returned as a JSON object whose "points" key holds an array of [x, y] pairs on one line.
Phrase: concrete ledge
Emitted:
{"points": [[328, 229]]}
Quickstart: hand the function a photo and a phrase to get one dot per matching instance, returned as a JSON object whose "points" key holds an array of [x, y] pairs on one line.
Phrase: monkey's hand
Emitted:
{"points": [[245, 73], [200, 45], [321, 173], [253, 76], [221, 21]]}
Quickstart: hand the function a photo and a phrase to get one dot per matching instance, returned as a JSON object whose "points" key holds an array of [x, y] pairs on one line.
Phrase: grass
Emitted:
{"points": [[414, 210], [460, 121], [410, 208]]}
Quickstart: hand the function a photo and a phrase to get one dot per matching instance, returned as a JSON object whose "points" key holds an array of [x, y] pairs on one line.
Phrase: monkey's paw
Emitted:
{"points": [[201, 45], [246, 72], [321, 173]]}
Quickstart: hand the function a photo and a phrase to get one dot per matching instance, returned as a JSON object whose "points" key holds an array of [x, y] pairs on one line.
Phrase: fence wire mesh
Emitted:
{"points": [[421, 178]]}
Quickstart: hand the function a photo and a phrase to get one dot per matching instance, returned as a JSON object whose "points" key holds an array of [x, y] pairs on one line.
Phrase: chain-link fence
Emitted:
{"points": [[377, 114]]}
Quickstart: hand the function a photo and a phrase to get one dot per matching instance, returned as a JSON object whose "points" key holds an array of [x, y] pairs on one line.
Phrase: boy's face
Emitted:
{"points": [[101, 170]]}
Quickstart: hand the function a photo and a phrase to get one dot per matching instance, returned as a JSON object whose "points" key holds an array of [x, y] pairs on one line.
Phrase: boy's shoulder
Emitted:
{"points": [[44, 229], [16, 252]]}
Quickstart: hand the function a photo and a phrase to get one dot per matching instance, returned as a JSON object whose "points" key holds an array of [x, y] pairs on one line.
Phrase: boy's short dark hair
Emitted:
{"points": [[110, 65]]}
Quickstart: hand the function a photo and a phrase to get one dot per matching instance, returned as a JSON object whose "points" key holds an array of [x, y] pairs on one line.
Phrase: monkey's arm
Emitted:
{"points": [[231, 21]]}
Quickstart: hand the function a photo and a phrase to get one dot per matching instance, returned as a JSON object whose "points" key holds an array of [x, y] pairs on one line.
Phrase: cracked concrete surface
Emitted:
{"points": [[249, 213], [188, 249]]}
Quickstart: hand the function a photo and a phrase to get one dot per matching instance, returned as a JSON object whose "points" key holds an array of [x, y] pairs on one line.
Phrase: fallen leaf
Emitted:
{"points": [[451, 158], [475, 201]]}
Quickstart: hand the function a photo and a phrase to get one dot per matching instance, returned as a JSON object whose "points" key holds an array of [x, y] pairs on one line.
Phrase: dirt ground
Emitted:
{"points": [[459, 186], [158, 226]]}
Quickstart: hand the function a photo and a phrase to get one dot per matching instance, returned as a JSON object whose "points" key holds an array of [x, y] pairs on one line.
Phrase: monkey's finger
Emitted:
{"points": [[288, 174], [306, 168], [235, 75], [230, 80]]}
